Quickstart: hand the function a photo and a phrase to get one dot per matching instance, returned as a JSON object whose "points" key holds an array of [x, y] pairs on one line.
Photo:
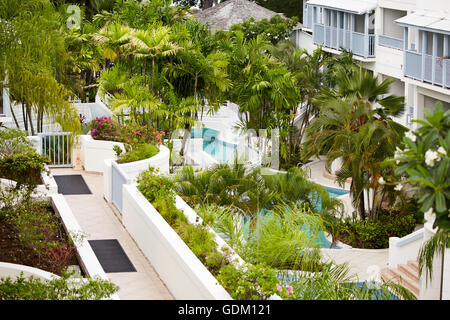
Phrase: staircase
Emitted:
{"points": [[407, 275]]}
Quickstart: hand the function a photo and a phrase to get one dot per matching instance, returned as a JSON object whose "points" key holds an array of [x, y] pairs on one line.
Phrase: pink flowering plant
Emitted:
{"points": [[105, 128]]}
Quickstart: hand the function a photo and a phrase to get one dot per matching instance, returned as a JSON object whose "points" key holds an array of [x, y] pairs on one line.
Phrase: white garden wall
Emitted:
{"points": [[402, 250], [182, 272], [159, 161], [12, 270], [431, 289], [95, 152], [86, 256]]}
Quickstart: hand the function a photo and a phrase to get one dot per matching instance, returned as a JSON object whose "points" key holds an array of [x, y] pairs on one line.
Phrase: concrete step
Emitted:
{"points": [[414, 265], [402, 278], [410, 271]]}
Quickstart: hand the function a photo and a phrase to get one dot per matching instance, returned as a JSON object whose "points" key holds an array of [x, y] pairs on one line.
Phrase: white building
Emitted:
{"points": [[407, 40]]}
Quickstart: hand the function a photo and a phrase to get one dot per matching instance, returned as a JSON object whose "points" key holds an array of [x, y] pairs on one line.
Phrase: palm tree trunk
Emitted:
{"points": [[30, 118], [362, 212], [14, 117], [24, 117]]}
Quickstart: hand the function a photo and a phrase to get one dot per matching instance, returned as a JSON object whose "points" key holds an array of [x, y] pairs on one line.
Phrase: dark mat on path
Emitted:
{"points": [[111, 256], [72, 184]]}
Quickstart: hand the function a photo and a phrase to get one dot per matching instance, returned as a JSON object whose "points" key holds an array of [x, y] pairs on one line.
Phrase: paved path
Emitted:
{"points": [[98, 221]]}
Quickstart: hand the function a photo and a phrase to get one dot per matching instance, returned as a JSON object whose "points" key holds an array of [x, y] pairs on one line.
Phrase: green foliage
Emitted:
{"points": [[154, 186], [250, 191], [25, 169], [64, 288], [160, 191], [14, 141], [425, 163], [352, 129], [138, 152], [275, 29], [370, 234], [249, 282]]}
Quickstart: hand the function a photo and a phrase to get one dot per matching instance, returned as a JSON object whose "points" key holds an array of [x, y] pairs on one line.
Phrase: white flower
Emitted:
{"points": [[410, 135], [431, 157], [398, 152], [381, 181], [398, 187], [442, 151], [430, 215]]}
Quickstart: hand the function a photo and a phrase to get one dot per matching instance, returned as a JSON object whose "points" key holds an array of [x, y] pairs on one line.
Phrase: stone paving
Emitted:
{"points": [[98, 221]]}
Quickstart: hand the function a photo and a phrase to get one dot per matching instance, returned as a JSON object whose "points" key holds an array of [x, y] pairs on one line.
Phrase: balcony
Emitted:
{"points": [[426, 56], [336, 38], [390, 42], [425, 68]]}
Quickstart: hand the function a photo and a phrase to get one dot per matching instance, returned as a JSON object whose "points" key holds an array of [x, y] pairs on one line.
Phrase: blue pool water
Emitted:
{"points": [[220, 150]]}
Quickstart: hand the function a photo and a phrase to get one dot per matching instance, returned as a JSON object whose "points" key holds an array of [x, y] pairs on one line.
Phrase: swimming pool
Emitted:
{"points": [[220, 150]]}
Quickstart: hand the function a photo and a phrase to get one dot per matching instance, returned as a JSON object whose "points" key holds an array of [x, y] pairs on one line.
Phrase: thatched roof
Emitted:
{"points": [[228, 13]]}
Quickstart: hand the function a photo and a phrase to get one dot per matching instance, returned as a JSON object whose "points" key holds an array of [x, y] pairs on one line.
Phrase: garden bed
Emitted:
{"points": [[29, 253]]}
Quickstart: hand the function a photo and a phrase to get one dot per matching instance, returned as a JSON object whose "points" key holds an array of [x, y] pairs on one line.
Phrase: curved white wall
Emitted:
{"points": [[95, 152], [12, 270]]}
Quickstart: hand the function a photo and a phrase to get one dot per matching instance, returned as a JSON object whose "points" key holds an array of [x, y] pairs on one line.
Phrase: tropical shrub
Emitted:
{"points": [[64, 288], [19, 160], [25, 169], [374, 234], [137, 152], [249, 282], [424, 161], [14, 141], [160, 191], [275, 29]]}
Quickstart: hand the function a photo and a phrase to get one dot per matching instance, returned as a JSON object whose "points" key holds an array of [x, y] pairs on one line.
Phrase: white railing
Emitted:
{"points": [[390, 42], [359, 43], [58, 147], [402, 250]]}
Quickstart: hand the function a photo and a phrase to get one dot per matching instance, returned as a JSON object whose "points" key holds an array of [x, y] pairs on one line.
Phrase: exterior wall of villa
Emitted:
{"points": [[389, 58]]}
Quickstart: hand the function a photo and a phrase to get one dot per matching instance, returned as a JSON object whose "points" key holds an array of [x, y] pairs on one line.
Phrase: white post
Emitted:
{"points": [[434, 56], [424, 51], [338, 25], [444, 61], [405, 48], [344, 32], [366, 35], [352, 29]]}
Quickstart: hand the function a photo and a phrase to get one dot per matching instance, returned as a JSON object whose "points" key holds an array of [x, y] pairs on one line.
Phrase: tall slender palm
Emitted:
{"points": [[203, 77], [112, 38], [351, 130], [135, 96]]}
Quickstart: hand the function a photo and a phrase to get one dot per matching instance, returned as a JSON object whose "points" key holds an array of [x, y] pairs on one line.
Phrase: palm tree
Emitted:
{"points": [[135, 95], [203, 77], [112, 38]]}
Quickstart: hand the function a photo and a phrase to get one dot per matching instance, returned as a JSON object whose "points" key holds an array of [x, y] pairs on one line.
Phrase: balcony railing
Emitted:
{"points": [[307, 16], [336, 38], [421, 67], [390, 42]]}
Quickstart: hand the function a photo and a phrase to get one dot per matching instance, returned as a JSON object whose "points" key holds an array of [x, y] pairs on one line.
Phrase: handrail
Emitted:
{"points": [[410, 238]]}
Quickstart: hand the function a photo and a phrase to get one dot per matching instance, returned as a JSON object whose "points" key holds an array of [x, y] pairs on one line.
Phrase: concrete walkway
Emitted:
{"points": [[98, 221]]}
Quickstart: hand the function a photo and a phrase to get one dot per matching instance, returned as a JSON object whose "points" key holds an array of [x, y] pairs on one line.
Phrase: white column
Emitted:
{"points": [[352, 29], [366, 34], [338, 25], [344, 31], [444, 61], [405, 47], [434, 57], [424, 51], [331, 29]]}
